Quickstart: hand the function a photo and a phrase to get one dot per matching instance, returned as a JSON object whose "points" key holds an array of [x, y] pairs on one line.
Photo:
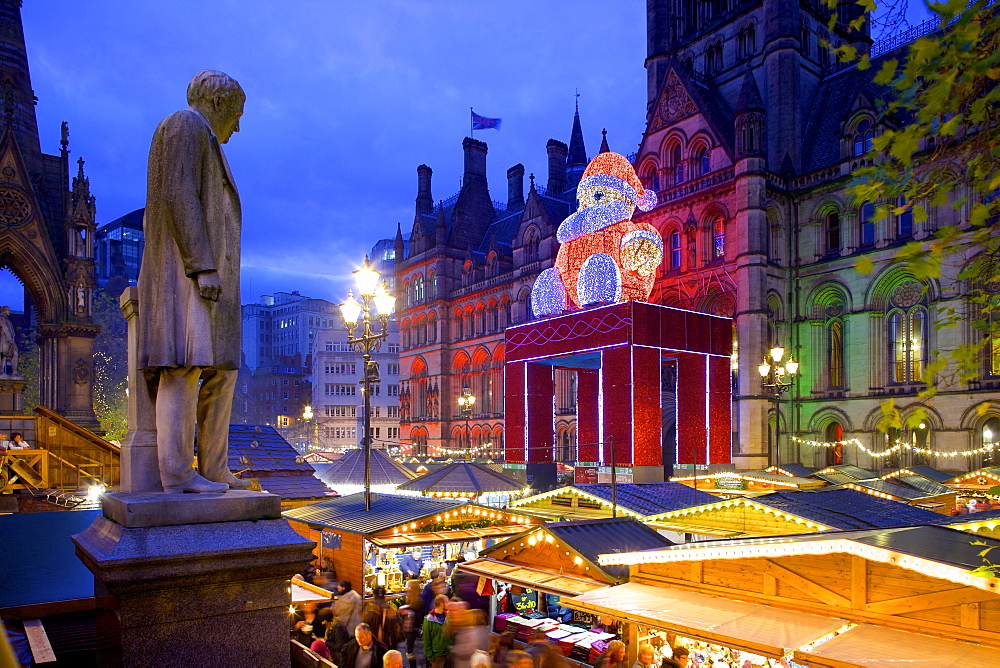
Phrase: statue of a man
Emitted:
{"points": [[8, 344], [189, 285]]}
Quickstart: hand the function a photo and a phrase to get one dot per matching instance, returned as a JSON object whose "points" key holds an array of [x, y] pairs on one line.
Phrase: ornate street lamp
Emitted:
{"points": [[466, 402], [373, 293], [307, 416], [777, 378]]}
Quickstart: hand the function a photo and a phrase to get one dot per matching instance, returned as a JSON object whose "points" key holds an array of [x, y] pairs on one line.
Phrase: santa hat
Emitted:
{"points": [[613, 170]]}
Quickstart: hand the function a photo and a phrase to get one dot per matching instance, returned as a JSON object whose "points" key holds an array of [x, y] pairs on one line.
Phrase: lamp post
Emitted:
{"points": [[466, 402], [777, 378], [373, 293], [307, 415]]}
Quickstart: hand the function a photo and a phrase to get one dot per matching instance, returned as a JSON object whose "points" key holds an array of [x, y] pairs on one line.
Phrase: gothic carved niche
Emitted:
{"points": [[14, 207], [81, 372]]}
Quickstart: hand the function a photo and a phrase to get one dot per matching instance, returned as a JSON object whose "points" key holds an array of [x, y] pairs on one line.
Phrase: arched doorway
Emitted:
{"points": [[834, 433]]}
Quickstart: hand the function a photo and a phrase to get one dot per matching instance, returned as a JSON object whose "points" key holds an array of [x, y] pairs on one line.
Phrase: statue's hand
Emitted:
{"points": [[209, 285]]}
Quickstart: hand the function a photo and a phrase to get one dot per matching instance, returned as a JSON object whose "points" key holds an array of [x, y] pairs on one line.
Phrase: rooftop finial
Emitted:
{"points": [[531, 179], [578, 100], [64, 142]]}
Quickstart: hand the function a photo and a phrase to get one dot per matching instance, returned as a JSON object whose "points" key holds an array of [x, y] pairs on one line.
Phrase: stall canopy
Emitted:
{"points": [[531, 578], [388, 511], [596, 500], [260, 452], [872, 646], [843, 473], [464, 478], [349, 470], [927, 472], [791, 470], [748, 626]]}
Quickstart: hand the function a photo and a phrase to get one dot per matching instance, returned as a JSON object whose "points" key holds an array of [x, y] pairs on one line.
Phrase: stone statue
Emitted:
{"points": [[189, 285], [8, 344]]}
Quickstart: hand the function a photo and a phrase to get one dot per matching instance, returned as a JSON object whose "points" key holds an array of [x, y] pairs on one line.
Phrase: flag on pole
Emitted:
{"points": [[483, 123]]}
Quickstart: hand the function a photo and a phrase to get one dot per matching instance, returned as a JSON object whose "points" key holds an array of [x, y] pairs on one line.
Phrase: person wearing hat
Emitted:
{"points": [[604, 257]]}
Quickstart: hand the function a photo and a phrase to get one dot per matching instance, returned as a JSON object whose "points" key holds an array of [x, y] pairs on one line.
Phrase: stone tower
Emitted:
{"points": [[46, 234]]}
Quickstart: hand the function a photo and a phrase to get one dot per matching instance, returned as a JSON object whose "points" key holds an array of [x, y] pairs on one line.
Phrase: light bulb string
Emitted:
{"points": [[899, 445]]}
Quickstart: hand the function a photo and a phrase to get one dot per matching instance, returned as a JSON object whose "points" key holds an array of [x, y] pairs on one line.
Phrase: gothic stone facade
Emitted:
{"points": [[752, 133]]}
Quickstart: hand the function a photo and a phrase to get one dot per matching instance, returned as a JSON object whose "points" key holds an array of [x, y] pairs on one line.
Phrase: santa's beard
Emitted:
{"points": [[593, 219]]}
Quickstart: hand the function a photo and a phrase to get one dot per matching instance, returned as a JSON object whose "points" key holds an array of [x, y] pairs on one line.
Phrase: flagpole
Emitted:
{"points": [[472, 124]]}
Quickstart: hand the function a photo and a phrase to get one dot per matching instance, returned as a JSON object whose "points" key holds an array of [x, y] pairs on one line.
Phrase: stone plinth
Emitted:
{"points": [[159, 509], [11, 389], [208, 594]]}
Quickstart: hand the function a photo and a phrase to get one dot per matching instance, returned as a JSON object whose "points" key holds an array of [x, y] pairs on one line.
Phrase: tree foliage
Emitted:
{"points": [[940, 147], [110, 366]]}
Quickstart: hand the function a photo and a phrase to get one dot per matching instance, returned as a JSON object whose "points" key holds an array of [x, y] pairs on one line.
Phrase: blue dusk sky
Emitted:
{"points": [[344, 100]]}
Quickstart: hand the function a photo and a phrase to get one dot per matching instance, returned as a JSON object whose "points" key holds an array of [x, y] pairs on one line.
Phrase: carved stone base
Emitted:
{"points": [[176, 595], [158, 509]]}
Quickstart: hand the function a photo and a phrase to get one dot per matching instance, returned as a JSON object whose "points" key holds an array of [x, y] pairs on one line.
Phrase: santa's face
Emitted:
{"points": [[597, 195]]}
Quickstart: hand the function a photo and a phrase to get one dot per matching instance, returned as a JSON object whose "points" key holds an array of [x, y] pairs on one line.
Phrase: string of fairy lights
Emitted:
{"points": [[897, 447]]}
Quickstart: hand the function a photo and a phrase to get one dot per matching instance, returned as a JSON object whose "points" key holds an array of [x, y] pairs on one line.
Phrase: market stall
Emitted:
{"points": [[599, 500], [747, 483], [528, 573], [398, 533], [467, 480], [816, 599], [346, 475]]}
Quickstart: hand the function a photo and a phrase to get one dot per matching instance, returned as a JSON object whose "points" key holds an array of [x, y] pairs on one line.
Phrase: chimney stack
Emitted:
{"points": [[515, 187], [557, 167], [425, 202], [475, 159]]}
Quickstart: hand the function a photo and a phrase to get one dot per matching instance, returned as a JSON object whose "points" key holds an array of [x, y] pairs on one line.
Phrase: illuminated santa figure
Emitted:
{"points": [[604, 257]]}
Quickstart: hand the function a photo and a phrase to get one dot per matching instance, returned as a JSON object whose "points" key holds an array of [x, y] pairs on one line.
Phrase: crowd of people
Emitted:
{"points": [[435, 626]]}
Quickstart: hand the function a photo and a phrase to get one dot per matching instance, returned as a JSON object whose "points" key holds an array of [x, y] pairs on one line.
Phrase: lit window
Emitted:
{"points": [[907, 345], [718, 239], [675, 250]]}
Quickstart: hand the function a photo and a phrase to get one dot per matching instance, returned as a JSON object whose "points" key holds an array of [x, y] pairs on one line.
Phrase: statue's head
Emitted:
{"points": [[609, 178], [219, 98]]}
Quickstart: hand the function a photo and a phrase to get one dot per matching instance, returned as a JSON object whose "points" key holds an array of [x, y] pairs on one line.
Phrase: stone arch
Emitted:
{"points": [[976, 415], [821, 418], [879, 294], [827, 296]]}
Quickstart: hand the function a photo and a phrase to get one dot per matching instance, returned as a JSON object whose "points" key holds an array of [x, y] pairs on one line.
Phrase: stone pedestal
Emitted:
{"points": [[213, 593], [11, 389]]}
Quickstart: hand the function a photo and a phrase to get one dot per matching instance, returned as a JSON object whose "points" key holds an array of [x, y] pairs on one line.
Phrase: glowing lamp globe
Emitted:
{"points": [[367, 279], [384, 302], [777, 353], [763, 369], [350, 309], [792, 366]]}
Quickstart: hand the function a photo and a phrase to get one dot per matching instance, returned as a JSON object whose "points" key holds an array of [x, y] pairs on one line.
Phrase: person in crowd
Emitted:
{"points": [[392, 659], [324, 616], [17, 442], [336, 637], [435, 640], [646, 657], [347, 606], [364, 651], [468, 633], [678, 660], [436, 586], [320, 647], [519, 659], [383, 619], [302, 623], [412, 612], [504, 646], [613, 656], [464, 584], [537, 646], [412, 563]]}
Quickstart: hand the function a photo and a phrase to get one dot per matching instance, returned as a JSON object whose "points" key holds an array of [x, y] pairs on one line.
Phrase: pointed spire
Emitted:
{"points": [[749, 98], [604, 142], [531, 181], [18, 96], [440, 226], [577, 150], [399, 233]]}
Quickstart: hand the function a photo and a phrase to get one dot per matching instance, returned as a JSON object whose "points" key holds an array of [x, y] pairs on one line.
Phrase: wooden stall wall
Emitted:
{"points": [[842, 585], [347, 560]]}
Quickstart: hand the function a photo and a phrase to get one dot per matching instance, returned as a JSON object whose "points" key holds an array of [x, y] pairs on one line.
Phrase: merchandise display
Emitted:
{"points": [[384, 566]]}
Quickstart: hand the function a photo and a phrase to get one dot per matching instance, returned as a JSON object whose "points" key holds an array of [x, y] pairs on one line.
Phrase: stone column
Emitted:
{"points": [[178, 577], [140, 468]]}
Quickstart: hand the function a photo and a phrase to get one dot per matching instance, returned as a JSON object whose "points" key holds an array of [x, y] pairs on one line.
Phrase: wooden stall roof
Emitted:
{"points": [[791, 470], [347, 513], [877, 647], [454, 536], [533, 578], [927, 472], [751, 478], [464, 478], [979, 479], [749, 626], [636, 499]]}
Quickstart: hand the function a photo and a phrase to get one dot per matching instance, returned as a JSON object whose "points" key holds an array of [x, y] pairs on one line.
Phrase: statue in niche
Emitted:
{"points": [[8, 344], [189, 286]]}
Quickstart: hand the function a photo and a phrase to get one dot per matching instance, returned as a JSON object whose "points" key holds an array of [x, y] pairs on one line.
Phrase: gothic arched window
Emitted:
{"points": [[904, 220], [835, 353], [907, 335], [864, 134], [701, 161], [677, 162], [832, 232], [675, 249], [718, 238], [418, 289], [866, 224]]}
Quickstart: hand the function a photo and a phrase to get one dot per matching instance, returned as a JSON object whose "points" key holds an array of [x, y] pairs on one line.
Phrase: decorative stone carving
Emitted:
{"points": [[14, 207]]}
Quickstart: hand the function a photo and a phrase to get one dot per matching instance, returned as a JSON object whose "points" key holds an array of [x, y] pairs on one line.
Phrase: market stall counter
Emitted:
{"points": [[401, 537]]}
